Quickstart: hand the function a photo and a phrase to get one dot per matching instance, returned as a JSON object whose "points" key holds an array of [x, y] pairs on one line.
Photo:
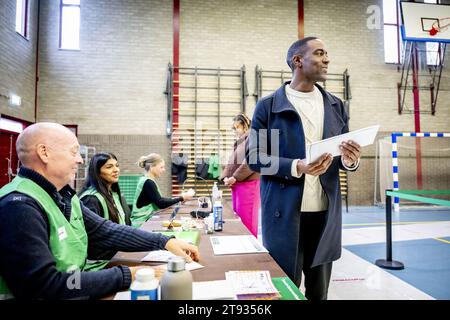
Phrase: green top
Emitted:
{"points": [[91, 191], [94, 265], [140, 215], [214, 169], [68, 239]]}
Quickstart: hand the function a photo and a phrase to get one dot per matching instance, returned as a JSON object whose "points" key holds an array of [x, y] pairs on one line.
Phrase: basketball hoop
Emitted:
{"points": [[422, 22], [436, 26]]}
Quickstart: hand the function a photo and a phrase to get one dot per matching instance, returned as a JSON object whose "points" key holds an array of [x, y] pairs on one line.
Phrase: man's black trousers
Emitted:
{"points": [[317, 279]]}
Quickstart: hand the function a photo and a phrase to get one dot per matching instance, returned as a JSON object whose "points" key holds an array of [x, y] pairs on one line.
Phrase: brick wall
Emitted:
{"points": [[113, 87], [115, 83], [128, 149], [232, 33], [17, 61]]}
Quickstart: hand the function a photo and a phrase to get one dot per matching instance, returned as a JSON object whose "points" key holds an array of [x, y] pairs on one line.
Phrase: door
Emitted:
{"points": [[9, 163]]}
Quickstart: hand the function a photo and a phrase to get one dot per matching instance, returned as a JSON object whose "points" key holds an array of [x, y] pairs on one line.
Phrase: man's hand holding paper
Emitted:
{"points": [[316, 168], [351, 151], [347, 145]]}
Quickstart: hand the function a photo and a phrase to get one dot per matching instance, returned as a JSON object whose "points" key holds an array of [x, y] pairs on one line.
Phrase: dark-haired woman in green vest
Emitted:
{"points": [[101, 194], [148, 198]]}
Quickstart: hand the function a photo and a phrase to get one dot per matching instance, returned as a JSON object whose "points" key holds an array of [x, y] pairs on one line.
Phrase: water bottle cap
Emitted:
{"points": [[176, 264], [145, 274]]}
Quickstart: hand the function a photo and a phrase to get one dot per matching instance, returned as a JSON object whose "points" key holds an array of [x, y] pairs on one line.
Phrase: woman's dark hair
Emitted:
{"points": [[243, 119], [94, 180]]}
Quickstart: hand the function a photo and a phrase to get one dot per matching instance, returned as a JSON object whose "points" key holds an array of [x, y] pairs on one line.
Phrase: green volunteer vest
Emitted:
{"points": [[93, 192], [94, 265], [140, 215], [68, 240]]}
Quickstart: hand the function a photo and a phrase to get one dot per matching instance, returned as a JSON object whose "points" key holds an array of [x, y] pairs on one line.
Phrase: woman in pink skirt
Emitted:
{"points": [[244, 182]]}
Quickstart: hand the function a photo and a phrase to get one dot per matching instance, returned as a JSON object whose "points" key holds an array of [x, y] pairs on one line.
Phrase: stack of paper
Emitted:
{"points": [[251, 285]]}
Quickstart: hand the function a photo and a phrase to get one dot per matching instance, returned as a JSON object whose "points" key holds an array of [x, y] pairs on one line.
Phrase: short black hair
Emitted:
{"points": [[298, 47]]}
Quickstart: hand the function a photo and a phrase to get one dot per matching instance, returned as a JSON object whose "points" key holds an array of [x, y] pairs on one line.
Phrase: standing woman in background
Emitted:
{"points": [[147, 198], [243, 181], [101, 194]]}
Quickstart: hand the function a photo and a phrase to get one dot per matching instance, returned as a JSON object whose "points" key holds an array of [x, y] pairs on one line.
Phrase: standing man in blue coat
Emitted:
{"points": [[301, 203]]}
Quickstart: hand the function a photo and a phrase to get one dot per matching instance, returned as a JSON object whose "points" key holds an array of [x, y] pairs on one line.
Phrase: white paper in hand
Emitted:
{"points": [[363, 137]]}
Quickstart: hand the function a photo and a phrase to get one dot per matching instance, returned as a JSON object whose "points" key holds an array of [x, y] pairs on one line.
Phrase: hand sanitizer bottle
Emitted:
{"points": [[215, 192]]}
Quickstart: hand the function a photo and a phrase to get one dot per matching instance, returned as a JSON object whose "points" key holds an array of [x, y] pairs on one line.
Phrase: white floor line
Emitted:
{"points": [[353, 278], [417, 231]]}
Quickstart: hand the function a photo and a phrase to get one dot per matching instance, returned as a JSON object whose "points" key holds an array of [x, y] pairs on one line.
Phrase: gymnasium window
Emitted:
{"points": [[22, 17], [69, 25], [392, 37], [393, 44]]}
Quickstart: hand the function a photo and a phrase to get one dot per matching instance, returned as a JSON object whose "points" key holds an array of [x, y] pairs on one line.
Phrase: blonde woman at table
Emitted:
{"points": [[148, 198], [244, 182]]}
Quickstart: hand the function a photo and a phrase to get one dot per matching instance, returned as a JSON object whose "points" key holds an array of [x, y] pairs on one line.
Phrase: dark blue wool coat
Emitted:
{"points": [[281, 194]]}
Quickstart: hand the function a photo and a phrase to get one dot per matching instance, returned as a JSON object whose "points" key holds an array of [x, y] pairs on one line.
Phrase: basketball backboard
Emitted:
{"points": [[425, 22]]}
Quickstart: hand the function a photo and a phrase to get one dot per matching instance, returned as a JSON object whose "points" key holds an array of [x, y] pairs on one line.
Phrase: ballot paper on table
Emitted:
{"points": [[252, 284], [158, 256], [236, 245], [363, 137], [212, 290], [163, 256]]}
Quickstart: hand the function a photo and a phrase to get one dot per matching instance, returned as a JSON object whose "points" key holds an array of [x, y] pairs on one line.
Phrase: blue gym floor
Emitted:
{"points": [[427, 263], [427, 260]]}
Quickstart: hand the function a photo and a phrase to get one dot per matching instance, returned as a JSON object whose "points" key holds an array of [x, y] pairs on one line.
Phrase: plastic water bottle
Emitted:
{"points": [[209, 224], [218, 216], [176, 282], [145, 286], [215, 192]]}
